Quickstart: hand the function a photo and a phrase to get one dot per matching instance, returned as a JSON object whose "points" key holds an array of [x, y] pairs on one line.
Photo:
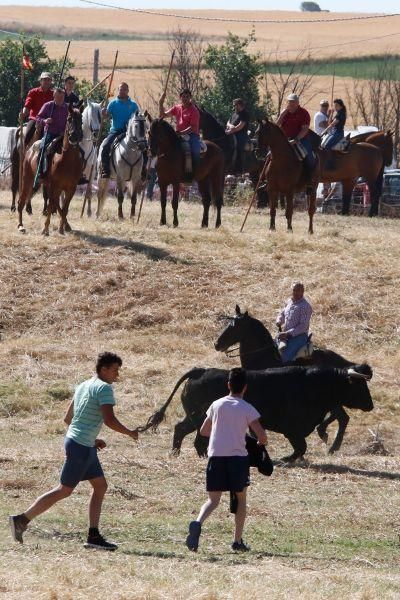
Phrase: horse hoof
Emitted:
{"points": [[21, 229], [89, 213], [45, 233], [13, 209], [68, 228], [29, 210], [175, 452]]}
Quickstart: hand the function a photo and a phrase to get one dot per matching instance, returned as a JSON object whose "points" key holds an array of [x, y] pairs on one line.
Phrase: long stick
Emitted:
{"points": [[96, 86], [21, 126], [144, 187], [39, 164], [89, 185], [169, 71], [332, 94], [255, 191]]}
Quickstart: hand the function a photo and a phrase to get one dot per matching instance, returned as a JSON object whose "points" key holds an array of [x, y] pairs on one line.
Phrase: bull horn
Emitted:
{"points": [[353, 373]]}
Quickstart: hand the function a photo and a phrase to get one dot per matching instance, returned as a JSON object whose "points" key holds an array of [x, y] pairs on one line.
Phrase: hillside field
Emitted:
{"points": [[327, 527]]}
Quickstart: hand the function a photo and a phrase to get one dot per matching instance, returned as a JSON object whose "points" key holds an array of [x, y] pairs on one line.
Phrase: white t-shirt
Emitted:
{"points": [[319, 118], [230, 417]]}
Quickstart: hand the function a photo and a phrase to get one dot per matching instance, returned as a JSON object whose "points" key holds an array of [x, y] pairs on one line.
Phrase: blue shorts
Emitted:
{"points": [[81, 463], [228, 473]]}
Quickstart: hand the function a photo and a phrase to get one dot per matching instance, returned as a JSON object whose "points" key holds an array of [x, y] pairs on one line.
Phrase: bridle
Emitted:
{"points": [[230, 352]]}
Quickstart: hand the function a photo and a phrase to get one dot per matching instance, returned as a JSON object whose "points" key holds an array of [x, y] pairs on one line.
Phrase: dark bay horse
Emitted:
{"points": [[257, 350], [213, 130], [62, 175], [166, 145]]}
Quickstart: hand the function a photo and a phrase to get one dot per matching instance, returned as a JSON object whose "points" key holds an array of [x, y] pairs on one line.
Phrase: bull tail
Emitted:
{"points": [[157, 418]]}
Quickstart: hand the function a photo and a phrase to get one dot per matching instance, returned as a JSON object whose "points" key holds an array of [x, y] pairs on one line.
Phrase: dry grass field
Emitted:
{"points": [[326, 528]]}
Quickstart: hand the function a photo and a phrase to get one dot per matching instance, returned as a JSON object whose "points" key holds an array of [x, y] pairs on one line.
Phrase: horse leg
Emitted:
{"points": [[175, 202], [289, 209], [45, 230], [45, 200], [273, 201], [311, 206], [64, 211], [217, 193], [26, 193], [133, 200], [204, 189], [120, 197], [101, 195], [299, 446], [343, 418], [14, 177], [346, 197], [163, 201], [182, 429]]}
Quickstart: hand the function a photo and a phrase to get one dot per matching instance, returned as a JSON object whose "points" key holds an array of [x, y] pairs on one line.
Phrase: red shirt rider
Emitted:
{"points": [[292, 122], [185, 116], [38, 96]]}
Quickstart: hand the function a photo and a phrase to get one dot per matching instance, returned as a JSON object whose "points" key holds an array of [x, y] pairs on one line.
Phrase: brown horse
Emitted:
{"points": [[381, 139], [209, 174], [62, 175], [285, 172]]}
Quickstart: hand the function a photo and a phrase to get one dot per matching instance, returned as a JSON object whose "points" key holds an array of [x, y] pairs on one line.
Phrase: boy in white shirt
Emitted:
{"points": [[228, 466]]}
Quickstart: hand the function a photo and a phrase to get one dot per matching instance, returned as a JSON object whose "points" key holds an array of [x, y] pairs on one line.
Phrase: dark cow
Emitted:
{"points": [[291, 400]]}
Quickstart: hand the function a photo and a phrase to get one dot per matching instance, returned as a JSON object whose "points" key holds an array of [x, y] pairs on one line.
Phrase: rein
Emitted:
{"points": [[230, 351]]}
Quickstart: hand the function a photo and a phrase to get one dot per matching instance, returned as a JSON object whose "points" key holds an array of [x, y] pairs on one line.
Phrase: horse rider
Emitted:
{"points": [[35, 99], [187, 119], [321, 117], [293, 322], [120, 109], [295, 124], [70, 96], [335, 129], [237, 126], [52, 118]]}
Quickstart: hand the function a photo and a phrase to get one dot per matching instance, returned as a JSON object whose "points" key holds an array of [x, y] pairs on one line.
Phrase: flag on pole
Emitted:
{"points": [[26, 62]]}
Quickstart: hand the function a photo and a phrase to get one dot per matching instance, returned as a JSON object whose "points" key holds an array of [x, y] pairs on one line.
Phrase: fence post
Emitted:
{"points": [[96, 66]]}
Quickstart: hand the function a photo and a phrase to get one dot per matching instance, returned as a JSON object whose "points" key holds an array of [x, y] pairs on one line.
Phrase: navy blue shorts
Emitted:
{"points": [[227, 473], [81, 463]]}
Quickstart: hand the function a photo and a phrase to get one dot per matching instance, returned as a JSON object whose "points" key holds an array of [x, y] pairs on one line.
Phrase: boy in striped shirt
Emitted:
{"points": [[92, 405]]}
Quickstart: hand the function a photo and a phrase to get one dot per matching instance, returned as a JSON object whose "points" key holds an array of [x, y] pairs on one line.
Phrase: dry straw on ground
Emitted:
{"points": [[325, 528]]}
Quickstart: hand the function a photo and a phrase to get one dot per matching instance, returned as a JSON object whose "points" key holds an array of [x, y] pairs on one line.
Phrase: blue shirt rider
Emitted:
{"points": [[120, 109]]}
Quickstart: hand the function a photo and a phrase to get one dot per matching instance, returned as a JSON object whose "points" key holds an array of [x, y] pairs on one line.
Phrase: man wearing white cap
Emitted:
{"points": [[321, 117], [295, 124], [34, 101]]}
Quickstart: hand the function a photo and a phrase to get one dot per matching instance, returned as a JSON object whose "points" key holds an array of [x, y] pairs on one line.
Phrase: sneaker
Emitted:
{"points": [[192, 540], [100, 543], [240, 546], [17, 527]]}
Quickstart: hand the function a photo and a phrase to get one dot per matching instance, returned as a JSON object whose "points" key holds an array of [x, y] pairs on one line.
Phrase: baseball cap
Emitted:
{"points": [[46, 75], [292, 97], [324, 103]]}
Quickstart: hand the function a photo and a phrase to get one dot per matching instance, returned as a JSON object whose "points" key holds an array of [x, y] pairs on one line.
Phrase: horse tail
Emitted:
{"points": [[156, 418]]}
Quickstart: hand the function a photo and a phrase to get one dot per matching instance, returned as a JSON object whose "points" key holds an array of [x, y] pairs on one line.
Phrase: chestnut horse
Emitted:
{"points": [[381, 139], [209, 174], [62, 175], [285, 175]]}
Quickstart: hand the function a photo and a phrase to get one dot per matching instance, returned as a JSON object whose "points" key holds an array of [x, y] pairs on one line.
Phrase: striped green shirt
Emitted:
{"points": [[87, 420]]}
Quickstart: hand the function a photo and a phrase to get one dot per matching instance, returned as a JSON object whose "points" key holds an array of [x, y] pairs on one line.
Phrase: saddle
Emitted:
{"points": [[299, 151], [187, 152], [341, 146], [305, 351]]}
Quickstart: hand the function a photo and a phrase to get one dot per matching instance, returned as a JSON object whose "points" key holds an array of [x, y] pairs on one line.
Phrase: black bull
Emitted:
{"points": [[291, 400]]}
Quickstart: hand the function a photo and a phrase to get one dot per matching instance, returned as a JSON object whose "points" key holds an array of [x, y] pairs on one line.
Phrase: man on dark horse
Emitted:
{"points": [[295, 124], [187, 119], [70, 96], [35, 99], [52, 118], [120, 109], [237, 126]]}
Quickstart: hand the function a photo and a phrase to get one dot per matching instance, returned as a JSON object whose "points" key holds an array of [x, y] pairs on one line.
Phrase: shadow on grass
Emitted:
{"points": [[341, 469], [151, 252]]}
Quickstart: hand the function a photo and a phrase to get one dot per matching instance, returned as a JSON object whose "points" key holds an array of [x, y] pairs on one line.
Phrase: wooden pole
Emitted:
{"points": [[109, 90], [21, 125], [332, 94], [96, 66], [255, 191], [169, 71]]}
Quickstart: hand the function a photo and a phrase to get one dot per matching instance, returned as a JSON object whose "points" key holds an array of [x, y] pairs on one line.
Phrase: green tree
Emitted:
{"points": [[310, 7], [235, 73], [83, 87], [10, 73]]}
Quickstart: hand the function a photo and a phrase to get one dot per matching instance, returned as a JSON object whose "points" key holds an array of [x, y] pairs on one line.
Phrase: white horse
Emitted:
{"points": [[126, 162], [91, 124]]}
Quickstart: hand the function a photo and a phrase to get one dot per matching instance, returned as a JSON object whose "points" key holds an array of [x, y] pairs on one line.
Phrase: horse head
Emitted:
{"points": [[137, 129], [163, 138], [74, 125], [91, 120]]}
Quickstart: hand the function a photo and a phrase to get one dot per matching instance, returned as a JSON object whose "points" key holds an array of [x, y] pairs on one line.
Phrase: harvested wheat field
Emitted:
{"points": [[327, 527]]}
